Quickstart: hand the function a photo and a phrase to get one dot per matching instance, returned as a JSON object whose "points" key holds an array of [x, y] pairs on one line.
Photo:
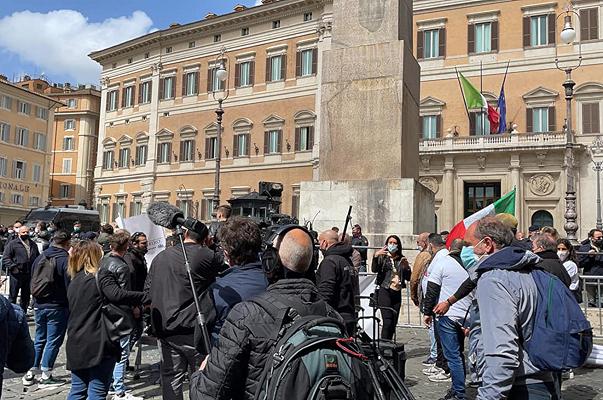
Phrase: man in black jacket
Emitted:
{"points": [[334, 277], [173, 309], [234, 367], [135, 257], [51, 312], [114, 263], [592, 264], [545, 247], [19, 255]]}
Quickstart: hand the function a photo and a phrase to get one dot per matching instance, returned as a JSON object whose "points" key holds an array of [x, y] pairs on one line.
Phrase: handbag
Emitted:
{"points": [[116, 322]]}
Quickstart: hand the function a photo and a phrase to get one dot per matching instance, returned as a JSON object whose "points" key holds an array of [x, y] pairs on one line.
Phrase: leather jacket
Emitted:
{"points": [[118, 267]]}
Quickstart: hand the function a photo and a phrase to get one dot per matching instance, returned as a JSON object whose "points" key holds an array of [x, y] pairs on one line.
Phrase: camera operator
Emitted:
{"points": [[173, 309], [246, 341]]}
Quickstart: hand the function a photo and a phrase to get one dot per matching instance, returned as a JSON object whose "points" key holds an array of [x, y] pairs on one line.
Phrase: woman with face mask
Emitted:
{"points": [[392, 271], [567, 255]]}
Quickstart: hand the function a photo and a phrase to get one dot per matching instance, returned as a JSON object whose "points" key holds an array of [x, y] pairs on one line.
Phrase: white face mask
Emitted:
{"points": [[562, 254]]}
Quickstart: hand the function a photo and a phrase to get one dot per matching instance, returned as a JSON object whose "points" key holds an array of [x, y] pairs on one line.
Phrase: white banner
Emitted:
{"points": [[155, 234]]}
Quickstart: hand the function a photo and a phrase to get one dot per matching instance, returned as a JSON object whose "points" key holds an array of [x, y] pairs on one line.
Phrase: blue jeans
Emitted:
{"points": [[535, 391], [51, 325], [433, 348], [119, 372], [453, 343], [91, 383]]}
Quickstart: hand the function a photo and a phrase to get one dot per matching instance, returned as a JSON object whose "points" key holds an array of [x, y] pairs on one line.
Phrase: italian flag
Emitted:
{"points": [[475, 100], [505, 204]]}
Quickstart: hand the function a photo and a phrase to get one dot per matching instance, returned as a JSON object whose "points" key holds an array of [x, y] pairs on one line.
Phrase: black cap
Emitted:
{"points": [[533, 228]]}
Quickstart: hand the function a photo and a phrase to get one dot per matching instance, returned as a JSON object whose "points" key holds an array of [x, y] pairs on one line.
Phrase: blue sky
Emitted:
{"points": [[53, 37]]}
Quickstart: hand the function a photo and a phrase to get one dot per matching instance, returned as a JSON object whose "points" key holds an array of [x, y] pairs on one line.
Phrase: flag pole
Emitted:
{"points": [[481, 91], [462, 94], [506, 72]]}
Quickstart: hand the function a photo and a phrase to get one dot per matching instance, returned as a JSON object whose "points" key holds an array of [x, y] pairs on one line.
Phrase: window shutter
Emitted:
{"points": [[280, 142], [268, 70], [174, 80], [14, 169], [197, 76], [139, 93], [420, 36], [438, 126], [235, 147], [150, 91], [311, 137], [209, 80], [298, 64], [552, 120], [133, 94], [251, 72], [297, 139], [472, 125], [169, 152], [161, 86], [594, 117], [529, 120], [284, 67], [184, 84], [551, 29], [24, 170], [421, 130], [471, 39], [586, 118], [584, 24], [315, 61], [131, 213], [442, 36], [594, 23], [526, 31], [266, 139], [207, 143], [181, 151], [123, 97], [494, 35], [107, 101], [237, 75], [247, 144]]}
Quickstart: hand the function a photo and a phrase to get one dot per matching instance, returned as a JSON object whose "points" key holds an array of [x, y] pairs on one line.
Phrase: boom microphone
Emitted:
{"points": [[169, 216]]}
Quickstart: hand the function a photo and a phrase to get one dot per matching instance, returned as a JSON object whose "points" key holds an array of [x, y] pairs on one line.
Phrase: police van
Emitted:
{"points": [[64, 217]]}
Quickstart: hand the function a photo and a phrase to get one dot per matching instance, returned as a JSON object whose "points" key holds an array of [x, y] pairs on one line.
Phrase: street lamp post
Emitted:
{"points": [[596, 155], [568, 35], [220, 94]]}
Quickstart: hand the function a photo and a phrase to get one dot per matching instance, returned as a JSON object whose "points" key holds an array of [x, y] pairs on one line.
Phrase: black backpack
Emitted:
{"points": [[42, 279], [312, 359]]}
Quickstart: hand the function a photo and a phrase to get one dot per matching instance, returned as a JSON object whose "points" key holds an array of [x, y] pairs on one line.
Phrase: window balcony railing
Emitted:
{"points": [[493, 142]]}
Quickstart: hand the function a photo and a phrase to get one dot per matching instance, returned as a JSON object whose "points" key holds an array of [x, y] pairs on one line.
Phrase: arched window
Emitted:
{"points": [[542, 218]]}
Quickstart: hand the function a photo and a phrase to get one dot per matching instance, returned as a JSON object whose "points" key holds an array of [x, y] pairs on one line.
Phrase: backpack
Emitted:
{"points": [[42, 280], [562, 337], [312, 359]]}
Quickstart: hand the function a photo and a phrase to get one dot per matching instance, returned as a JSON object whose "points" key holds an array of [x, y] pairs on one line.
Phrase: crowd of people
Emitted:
{"points": [[475, 286]]}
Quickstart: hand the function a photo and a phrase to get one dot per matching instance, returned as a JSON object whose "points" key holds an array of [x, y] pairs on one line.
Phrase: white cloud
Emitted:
{"points": [[58, 42], [258, 2]]}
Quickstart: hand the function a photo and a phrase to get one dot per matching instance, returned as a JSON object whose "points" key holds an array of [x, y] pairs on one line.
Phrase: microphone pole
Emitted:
{"points": [[200, 316]]}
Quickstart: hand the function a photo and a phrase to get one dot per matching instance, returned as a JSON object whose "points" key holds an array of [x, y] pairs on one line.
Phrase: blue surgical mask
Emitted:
{"points": [[392, 248], [468, 257]]}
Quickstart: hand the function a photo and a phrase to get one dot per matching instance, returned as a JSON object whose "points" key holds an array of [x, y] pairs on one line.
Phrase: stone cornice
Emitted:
{"points": [[218, 24]]}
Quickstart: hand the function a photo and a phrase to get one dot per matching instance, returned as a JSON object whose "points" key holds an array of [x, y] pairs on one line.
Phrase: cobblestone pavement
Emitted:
{"points": [[587, 384]]}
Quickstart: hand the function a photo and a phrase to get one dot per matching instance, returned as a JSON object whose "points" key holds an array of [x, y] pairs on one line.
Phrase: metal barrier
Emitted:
{"points": [[410, 316], [592, 301]]}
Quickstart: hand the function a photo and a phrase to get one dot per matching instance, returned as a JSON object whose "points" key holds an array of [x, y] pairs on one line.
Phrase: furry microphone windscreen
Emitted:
{"points": [[164, 214]]}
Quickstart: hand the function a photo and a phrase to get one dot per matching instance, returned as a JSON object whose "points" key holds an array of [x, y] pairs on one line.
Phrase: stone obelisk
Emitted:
{"points": [[369, 124]]}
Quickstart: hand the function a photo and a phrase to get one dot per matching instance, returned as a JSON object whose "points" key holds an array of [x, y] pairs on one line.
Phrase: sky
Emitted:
{"points": [[54, 37]]}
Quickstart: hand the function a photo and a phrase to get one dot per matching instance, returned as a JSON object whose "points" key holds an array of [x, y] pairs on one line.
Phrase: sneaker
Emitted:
{"points": [[50, 382], [127, 396], [567, 375], [432, 370], [429, 362], [475, 384], [29, 378], [451, 396], [441, 377]]}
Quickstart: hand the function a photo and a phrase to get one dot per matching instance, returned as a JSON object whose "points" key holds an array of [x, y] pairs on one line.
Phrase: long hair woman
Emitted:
{"points": [[91, 356], [392, 271]]}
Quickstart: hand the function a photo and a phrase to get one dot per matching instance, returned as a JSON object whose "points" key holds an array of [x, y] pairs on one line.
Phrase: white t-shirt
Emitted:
{"points": [[449, 275], [572, 271], [440, 254]]}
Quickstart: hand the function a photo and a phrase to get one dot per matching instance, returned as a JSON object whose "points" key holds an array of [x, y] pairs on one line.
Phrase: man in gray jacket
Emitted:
{"points": [[506, 299]]}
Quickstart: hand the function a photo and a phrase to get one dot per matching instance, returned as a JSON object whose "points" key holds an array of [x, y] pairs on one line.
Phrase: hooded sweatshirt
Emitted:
{"points": [[506, 302], [334, 280]]}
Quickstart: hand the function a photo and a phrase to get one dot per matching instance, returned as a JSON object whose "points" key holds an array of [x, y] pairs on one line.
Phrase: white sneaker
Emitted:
{"points": [[127, 396], [29, 378], [432, 370], [441, 377]]}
